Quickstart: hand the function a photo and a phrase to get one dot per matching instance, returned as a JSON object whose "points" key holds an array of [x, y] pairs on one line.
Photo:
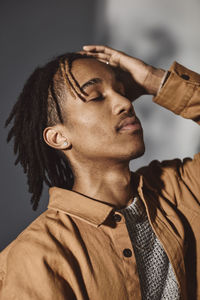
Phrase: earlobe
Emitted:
{"points": [[65, 143], [55, 139]]}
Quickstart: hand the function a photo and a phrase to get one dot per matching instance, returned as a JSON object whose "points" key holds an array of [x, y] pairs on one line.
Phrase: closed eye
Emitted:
{"points": [[99, 98]]}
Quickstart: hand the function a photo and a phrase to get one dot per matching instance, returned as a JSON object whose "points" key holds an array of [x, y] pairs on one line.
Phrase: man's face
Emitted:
{"points": [[91, 125]]}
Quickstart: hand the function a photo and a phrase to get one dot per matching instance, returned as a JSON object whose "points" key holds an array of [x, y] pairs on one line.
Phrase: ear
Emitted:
{"points": [[55, 137]]}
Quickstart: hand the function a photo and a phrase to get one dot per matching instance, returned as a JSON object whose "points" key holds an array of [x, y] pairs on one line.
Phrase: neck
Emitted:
{"points": [[111, 184]]}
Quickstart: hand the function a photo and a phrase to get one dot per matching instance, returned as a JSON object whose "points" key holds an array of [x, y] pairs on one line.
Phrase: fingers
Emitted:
{"points": [[98, 48], [102, 56]]}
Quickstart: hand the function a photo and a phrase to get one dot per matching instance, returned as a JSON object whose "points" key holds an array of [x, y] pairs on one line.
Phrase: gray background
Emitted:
{"points": [[33, 31]]}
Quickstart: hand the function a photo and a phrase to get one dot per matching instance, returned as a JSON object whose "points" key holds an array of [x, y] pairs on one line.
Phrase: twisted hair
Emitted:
{"points": [[39, 106]]}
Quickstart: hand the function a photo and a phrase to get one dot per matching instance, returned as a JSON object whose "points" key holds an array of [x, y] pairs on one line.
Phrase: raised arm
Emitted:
{"points": [[177, 90], [180, 91]]}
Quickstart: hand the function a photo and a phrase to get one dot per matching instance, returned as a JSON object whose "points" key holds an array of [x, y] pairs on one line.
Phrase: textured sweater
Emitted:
{"points": [[157, 278]]}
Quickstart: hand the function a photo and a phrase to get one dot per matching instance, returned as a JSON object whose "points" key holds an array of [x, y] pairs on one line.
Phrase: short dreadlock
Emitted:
{"points": [[39, 106]]}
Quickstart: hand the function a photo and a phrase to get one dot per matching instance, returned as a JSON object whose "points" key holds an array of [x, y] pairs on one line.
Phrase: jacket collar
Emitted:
{"points": [[81, 206]]}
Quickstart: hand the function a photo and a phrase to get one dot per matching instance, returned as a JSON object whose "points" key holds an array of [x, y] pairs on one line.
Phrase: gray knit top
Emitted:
{"points": [[157, 278]]}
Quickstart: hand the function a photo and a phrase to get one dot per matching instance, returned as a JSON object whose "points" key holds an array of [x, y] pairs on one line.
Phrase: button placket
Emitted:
{"points": [[125, 251]]}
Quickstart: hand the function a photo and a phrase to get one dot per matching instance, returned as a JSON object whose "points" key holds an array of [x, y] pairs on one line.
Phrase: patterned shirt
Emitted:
{"points": [[157, 278]]}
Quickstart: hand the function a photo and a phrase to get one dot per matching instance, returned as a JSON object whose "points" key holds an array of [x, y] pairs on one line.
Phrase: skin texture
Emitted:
{"points": [[98, 153]]}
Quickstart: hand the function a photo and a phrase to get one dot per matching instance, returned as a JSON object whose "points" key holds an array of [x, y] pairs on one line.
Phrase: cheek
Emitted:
{"points": [[92, 130], [89, 125]]}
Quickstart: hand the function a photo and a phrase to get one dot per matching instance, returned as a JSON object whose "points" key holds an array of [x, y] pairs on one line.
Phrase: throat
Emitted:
{"points": [[118, 191]]}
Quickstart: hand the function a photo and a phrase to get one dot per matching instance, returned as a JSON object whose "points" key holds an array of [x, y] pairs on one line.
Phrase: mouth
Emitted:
{"points": [[129, 125]]}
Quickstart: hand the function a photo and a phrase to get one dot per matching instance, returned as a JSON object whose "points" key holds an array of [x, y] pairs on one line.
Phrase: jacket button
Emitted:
{"points": [[185, 76], [117, 217], [127, 252]]}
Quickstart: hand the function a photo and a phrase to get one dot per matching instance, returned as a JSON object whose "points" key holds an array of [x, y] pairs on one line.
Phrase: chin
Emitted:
{"points": [[138, 152], [133, 153]]}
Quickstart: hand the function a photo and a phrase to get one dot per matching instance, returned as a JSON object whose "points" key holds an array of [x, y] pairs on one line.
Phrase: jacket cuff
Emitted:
{"points": [[178, 88]]}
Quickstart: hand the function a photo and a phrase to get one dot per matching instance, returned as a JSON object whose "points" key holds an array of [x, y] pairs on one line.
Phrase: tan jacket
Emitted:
{"points": [[75, 249]]}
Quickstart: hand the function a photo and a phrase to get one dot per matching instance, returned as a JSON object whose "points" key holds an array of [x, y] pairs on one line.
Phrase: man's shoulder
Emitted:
{"points": [[34, 239], [157, 169], [174, 167], [173, 178], [28, 263]]}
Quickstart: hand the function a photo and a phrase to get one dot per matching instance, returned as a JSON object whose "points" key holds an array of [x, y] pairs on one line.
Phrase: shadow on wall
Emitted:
{"points": [[31, 33], [159, 33]]}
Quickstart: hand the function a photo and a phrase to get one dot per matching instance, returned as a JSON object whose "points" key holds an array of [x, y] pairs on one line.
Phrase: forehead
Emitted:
{"points": [[86, 68]]}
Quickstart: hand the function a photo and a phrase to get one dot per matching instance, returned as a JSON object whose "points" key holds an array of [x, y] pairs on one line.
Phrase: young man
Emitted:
{"points": [[108, 233]]}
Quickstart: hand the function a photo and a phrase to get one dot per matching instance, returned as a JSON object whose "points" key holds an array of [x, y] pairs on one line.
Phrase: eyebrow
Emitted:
{"points": [[91, 82]]}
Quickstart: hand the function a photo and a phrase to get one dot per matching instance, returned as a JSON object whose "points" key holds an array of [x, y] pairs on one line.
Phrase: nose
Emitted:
{"points": [[121, 104]]}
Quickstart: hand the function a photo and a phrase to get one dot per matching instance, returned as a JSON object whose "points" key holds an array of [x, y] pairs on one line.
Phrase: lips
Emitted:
{"points": [[126, 122]]}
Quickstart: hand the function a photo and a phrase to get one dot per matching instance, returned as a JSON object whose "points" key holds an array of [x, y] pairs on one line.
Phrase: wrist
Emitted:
{"points": [[153, 80]]}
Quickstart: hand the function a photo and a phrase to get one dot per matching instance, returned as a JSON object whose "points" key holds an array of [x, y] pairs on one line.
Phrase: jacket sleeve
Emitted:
{"points": [[181, 95]]}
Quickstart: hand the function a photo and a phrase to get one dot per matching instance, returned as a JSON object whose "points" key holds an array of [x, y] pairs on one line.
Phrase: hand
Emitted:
{"points": [[146, 79]]}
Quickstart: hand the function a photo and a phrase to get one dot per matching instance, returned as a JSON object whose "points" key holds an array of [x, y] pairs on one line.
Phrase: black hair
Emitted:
{"points": [[39, 106]]}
